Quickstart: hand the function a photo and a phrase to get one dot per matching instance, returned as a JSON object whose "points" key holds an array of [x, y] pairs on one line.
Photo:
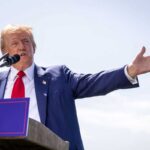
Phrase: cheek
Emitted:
{"points": [[32, 52], [10, 51], [32, 49]]}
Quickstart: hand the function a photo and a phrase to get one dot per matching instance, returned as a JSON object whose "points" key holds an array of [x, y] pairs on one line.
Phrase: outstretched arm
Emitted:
{"points": [[140, 65]]}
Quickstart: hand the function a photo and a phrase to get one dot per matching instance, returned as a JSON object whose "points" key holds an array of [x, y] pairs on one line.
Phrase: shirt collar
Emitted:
{"points": [[29, 72]]}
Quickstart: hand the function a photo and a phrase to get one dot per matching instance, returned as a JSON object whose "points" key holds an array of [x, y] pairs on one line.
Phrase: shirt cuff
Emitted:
{"points": [[132, 80]]}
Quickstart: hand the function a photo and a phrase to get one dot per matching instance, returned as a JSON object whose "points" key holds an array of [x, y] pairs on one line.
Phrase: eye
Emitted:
{"points": [[26, 41], [14, 43]]}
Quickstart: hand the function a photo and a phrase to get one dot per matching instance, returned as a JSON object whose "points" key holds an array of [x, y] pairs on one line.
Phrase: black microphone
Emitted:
{"points": [[8, 61]]}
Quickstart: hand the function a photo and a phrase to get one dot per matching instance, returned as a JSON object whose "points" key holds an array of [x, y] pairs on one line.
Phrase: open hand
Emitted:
{"points": [[140, 65]]}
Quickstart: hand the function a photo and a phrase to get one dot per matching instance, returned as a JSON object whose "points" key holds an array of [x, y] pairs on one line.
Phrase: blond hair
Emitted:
{"points": [[10, 29]]}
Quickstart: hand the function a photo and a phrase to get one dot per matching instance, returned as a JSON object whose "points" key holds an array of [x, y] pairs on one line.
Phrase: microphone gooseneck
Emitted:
{"points": [[4, 56]]}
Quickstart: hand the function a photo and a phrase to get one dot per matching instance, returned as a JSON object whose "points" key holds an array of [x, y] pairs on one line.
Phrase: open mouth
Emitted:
{"points": [[22, 54]]}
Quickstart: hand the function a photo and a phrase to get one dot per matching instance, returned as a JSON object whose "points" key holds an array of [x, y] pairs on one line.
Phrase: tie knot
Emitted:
{"points": [[20, 74]]}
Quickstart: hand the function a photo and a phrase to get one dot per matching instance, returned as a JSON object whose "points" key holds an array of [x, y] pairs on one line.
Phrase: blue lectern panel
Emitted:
{"points": [[14, 117]]}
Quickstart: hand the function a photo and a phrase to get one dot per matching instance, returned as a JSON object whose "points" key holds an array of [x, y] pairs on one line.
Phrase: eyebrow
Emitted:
{"points": [[14, 39]]}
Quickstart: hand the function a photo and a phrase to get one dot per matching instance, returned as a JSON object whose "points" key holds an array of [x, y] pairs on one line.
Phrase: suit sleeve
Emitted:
{"points": [[87, 85]]}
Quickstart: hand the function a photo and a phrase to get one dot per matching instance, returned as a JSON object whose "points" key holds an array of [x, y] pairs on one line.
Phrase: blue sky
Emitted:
{"points": [[89, 36]]}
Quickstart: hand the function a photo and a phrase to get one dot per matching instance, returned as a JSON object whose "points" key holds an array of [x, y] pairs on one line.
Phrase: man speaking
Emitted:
{"points": [[53, 90]]}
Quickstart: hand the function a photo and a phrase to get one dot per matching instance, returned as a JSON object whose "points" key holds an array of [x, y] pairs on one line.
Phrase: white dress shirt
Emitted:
{"points": [[28, 80]]}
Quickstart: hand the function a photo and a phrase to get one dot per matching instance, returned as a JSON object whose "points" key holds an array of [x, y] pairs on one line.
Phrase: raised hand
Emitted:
{"points": [[140, 65]]}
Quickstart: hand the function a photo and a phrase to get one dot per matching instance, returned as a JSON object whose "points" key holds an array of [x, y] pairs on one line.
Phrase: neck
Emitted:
{"points": [[21, 67]]}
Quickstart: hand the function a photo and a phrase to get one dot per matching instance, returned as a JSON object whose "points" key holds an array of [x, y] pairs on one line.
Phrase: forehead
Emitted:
{"points": [[17, 36]]}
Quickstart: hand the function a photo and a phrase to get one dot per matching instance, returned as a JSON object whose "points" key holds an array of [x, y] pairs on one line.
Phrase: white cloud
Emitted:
{"points": [[116, 116]]}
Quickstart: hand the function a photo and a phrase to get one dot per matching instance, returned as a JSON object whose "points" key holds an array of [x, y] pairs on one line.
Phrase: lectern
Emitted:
{"points": [[37, 137]]}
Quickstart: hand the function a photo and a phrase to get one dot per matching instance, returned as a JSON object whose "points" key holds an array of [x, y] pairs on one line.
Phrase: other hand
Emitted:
{"points": [[140, 65]]}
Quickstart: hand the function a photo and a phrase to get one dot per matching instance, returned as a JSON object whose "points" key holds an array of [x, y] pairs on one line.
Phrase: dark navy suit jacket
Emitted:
{"points": [[56, 89]]}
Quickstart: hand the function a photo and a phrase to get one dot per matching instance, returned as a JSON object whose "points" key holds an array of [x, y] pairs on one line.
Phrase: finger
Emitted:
{"points": [[142, 51]]}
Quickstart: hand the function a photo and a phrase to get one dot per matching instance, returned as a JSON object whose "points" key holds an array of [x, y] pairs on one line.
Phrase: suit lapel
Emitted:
{"points": [[3, 81], [41, 90]]}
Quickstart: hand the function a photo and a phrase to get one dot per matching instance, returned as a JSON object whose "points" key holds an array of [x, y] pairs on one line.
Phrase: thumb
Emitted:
{"points": [[142, 51]]}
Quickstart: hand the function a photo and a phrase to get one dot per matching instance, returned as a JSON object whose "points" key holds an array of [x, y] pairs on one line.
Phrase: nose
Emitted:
{"points": [[21, 45]]}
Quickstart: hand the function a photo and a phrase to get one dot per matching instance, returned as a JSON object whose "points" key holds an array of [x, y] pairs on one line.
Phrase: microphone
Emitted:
{"points": [[8, 61], [4, 56]]}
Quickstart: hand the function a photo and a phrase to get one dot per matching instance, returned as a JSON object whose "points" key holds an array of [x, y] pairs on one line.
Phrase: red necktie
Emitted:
{"points": [[18, 89]]}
